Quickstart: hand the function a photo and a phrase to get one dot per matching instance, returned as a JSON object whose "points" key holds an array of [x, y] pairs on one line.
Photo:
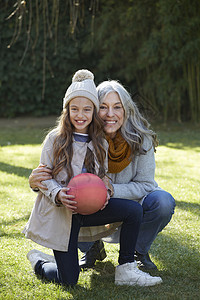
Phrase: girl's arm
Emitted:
{"points": [[66, 199], [49, 187]]}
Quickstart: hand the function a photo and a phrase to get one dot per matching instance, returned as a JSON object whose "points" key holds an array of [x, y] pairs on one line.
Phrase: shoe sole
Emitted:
{"points": [[46, 257], [130, 283]]}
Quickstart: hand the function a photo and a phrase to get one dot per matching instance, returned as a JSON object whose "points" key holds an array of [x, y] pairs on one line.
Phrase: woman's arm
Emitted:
{"points": [[137, 180], [41, 173]]}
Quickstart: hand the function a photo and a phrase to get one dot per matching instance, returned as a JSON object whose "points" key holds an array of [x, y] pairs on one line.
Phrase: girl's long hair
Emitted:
{"points": [[135, 127], [63, 149]]}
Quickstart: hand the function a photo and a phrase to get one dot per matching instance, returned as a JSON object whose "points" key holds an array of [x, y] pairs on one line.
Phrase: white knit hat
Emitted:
{"points": [[82, 86]]}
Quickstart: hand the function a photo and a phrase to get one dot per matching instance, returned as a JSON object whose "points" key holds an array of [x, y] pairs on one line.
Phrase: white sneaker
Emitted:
{"points": [[35, 255], [129, 274]]}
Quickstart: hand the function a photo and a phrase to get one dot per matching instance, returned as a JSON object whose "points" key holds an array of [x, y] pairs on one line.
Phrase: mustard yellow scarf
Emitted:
{"points": [[119, 153]]}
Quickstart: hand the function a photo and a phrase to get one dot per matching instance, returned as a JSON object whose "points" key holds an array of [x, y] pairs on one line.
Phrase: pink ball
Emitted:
{"points": [[90, 193]]}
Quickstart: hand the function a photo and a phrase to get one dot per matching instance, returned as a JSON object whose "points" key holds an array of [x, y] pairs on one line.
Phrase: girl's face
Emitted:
{"points": [[81, 112], [112, 113]]}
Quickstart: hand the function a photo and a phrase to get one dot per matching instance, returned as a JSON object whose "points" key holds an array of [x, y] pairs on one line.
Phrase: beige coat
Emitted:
{"points": [[50, 224]]}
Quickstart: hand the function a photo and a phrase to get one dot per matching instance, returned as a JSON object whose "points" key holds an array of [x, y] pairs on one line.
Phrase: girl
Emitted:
{"points": [[77, 146]]}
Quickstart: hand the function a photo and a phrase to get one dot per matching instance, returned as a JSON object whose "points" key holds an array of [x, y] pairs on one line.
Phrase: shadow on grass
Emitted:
{"points": [[179, 258], [194, 208], [183, 146], [180, 140], [13, 222], [104, 277], [180, 271], [19, 171], [77, 290]]}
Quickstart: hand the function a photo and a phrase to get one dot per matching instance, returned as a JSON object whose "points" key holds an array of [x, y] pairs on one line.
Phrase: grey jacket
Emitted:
{"points": [[137, 179], [134, 182]]}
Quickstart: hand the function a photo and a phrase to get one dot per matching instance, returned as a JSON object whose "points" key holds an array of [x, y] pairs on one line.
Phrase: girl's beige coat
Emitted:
{"points": [[50, 224]]}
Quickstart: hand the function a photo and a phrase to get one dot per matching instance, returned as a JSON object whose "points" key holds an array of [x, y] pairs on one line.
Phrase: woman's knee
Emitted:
{"points": [[167, 204], [160, 202]]}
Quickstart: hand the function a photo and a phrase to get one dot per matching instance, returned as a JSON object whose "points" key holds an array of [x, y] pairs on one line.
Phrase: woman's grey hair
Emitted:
{"points": [[135, 127]]}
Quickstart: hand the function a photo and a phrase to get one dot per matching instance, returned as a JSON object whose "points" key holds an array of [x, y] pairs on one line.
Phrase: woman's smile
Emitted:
{"points": [[112, 113], [110, 122]]}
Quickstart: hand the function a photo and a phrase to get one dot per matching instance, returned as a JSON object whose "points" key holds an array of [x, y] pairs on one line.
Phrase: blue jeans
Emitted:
{"points": [[66, 269], [158, 208]]}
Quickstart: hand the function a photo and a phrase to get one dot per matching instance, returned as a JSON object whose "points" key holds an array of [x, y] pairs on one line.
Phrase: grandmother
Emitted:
{"points": [[131, 167]]}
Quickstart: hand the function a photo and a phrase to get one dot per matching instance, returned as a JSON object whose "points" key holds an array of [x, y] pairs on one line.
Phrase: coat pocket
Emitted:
{"points": [[45, 207]]}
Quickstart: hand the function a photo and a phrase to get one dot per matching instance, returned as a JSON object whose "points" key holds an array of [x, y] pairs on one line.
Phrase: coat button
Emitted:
{"points": [[62, 182]]}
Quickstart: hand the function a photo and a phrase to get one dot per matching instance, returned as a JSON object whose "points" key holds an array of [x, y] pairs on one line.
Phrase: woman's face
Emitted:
{"points": [[112, 113], [81, 113]]}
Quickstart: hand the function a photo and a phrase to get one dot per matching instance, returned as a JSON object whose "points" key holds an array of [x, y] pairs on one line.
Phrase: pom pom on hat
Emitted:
{"points": [[82, 86], [82, 75]]}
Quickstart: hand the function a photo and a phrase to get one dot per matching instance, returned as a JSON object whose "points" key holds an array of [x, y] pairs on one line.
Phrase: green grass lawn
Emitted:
{"points": [[176, 250]]}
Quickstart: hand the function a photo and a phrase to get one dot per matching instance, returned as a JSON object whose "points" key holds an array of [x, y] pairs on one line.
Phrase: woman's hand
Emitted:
{"points": [[108, 185], [107, 199], [67, 199], [39, 174]]}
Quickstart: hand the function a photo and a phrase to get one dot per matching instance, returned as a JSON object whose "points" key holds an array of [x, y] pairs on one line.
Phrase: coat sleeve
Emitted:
{"points": [[47, 159], [142, 181]]}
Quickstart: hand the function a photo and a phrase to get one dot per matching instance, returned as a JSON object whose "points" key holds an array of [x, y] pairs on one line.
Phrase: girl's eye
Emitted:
{"points": [[103, 107], [118, 107]]}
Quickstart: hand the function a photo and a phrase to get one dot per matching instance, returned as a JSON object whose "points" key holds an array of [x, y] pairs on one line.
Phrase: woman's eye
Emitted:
{"points": [[118, 107], [102, 107]]}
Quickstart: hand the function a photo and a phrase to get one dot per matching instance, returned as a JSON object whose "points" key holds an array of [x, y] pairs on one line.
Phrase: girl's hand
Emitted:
{"points": [[39, 174], [67, 199], [107, 199]]}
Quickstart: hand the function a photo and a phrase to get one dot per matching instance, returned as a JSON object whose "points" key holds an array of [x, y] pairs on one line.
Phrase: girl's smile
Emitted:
{"points": [[81, 113]]}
